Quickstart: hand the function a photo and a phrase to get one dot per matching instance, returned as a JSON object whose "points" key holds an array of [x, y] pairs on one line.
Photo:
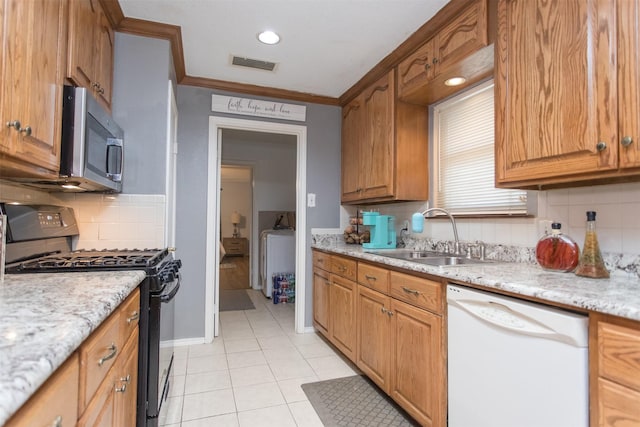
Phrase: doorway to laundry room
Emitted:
{"points": [[259, 236]]}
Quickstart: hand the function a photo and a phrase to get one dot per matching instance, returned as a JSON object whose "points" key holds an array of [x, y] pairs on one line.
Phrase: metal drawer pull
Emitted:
{"points": [[134, 316], [374, 278], [342, 268], [113, 350], [57, 422], [410, 291], [121, 389]]}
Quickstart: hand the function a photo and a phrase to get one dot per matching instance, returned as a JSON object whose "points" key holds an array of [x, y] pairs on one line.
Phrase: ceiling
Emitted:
{"points": [[326, 45]]}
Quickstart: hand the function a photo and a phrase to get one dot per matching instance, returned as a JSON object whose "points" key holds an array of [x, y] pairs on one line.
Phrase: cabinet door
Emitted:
{"points": [[555, 96], [418, 382], [342, 324], [321, 285], [83, 25], [462, 36], [352, 136], [127, 383], [617, 406], [418, 69], [629, 82], [374, 336], [378, 149], [104, 59], [32, 75]]}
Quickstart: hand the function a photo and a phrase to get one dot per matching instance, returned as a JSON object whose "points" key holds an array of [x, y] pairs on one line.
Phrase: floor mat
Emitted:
{"points": [[236, 299], [354, 401]]}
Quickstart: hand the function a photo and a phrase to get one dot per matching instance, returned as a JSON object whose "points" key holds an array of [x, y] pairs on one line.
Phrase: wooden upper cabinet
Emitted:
{"points": [[32, 73], [566, 91], [459, 49], [384, 147], [628, 16], [352, 137], [91, 49]]}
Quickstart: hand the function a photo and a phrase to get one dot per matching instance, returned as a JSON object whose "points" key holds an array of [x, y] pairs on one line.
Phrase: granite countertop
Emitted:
{"points": [[44, 318], [618, 295]]}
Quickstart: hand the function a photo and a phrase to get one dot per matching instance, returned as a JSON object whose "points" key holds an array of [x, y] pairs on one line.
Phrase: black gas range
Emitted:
{"points": [[40, 240]]}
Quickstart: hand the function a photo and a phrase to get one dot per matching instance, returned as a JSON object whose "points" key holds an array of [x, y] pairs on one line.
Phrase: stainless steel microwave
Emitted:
{"points": [[92, 149]]}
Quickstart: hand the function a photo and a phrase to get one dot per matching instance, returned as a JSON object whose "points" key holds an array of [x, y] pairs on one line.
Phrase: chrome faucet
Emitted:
{"points": [[456, 246]]}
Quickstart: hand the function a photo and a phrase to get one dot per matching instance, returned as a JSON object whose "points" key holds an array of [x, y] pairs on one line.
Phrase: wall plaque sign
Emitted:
{"points": [[258, 108]]}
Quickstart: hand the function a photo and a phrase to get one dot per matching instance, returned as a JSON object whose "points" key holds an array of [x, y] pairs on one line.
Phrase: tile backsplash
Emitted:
{"points": [[617, 207], [106, 221]]}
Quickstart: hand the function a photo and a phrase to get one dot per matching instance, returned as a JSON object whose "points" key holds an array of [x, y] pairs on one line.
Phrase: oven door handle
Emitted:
{"points": [[169, 293]]}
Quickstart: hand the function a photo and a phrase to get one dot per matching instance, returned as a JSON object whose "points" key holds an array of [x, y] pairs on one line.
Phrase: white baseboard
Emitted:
{"points": [[183, 342]]}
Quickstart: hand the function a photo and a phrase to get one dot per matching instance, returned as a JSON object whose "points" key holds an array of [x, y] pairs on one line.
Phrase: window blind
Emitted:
{"points": [[463, 135]]}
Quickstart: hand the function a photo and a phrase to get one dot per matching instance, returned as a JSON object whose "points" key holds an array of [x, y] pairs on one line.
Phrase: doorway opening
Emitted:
{"points": [[214, 218], [236, 218]]}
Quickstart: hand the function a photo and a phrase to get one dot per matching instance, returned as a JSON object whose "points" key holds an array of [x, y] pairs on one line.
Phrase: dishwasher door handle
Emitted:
{"points": [[501, 316]]}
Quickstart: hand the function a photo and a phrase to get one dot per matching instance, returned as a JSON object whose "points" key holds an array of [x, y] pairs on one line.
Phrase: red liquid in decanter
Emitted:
{"points": [[557, 252]]}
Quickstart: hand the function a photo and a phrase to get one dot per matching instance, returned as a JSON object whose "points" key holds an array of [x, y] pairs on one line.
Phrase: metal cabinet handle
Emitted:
{"points": [[601, 146], [326, 282], [121, 389], [14, 124], [427, 66], [387, 312], [126, 379], [57, 422], [435, 60], [134, 316], [112, 353], [410, 291], [18, 126], [374, 278], [626, 141], [342, 268]]}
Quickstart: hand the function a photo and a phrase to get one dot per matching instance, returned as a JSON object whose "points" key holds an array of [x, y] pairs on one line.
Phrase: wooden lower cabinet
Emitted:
{"points": [[615, 371], [342, 323], [374, 336], [321, 285], [56, 401], [418, 380]]}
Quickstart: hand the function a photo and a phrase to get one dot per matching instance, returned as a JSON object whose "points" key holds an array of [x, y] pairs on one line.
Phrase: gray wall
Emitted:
{"points": [[142, 69], [323, 178]]}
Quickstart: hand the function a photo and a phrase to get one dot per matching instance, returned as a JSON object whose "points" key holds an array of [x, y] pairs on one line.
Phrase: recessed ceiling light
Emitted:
{"points": [[268, 37], [455, 81]]}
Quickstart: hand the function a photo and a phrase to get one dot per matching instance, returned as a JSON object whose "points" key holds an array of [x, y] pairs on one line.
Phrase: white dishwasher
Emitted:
{"points": [[513, 363]]}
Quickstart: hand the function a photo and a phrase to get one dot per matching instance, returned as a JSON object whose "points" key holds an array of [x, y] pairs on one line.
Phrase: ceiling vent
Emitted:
{"points": [[253, 63]]}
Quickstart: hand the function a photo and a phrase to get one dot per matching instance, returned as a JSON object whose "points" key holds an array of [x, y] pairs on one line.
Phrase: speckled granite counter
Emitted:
{"points": [[619, 295], [44, 318]]}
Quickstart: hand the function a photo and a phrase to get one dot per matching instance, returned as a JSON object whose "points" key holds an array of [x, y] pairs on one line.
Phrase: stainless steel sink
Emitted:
{"points": [[428, 257]]}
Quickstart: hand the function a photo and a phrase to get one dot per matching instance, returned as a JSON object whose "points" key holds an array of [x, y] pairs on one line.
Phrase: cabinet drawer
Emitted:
{"points": [[57, 399], [417, 291], [619, 354], [129, 315], [322, 260], [97, 355], [373, 277], [343, 267]]}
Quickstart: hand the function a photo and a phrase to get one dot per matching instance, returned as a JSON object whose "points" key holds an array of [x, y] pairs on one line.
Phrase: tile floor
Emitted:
{"points": [[251, 374]]}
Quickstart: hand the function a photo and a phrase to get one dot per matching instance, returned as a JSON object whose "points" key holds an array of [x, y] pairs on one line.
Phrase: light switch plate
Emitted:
{"points": [[311, 200]]}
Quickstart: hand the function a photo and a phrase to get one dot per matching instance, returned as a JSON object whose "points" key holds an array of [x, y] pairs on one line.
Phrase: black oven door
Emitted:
{"points": [[161, 336]]}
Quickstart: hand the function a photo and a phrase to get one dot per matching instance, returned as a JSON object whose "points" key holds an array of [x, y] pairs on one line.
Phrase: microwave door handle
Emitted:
{"points": [[115, 142]]}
